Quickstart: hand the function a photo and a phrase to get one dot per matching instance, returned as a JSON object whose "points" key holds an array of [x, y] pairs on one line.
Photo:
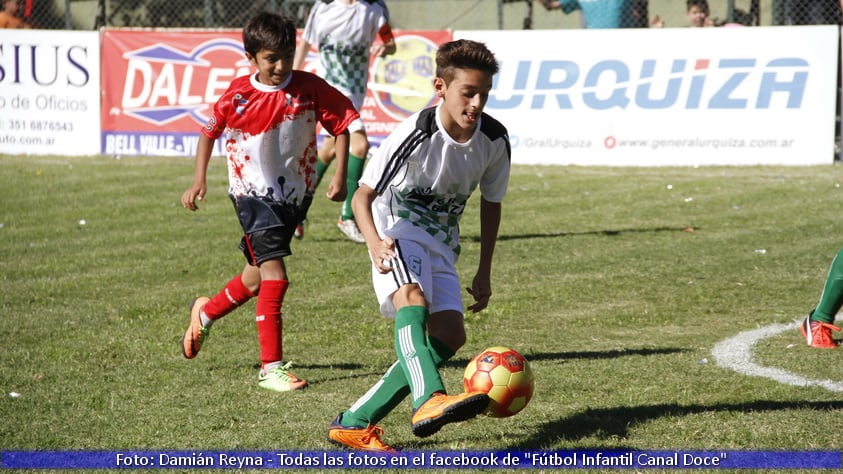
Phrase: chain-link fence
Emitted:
{"points": [[408, 14]]}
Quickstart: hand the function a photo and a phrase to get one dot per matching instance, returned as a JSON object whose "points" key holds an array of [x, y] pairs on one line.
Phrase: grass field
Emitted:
{"points": [[616, 283]]}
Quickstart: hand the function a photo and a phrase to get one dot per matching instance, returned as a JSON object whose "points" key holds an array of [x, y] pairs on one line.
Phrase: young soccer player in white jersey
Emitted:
{"points": [[267, 120], [345, 34], [409, 205]]}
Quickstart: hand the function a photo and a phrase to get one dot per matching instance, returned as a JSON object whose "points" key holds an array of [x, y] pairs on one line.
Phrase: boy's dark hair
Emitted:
{"points": [[703, 4], [464, 54], [268, 30]]}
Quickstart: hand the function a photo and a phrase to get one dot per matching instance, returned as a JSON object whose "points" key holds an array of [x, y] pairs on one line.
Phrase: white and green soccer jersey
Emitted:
{"points": [[424, 178], [343, 35]]}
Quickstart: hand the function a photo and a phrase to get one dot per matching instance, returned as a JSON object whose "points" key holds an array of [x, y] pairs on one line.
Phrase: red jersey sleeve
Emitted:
{"points": [[335, 111]]}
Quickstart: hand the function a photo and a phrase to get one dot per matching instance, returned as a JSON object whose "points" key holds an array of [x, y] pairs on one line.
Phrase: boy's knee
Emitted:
{"points": [[447, 326], [409, 295], [359, 144]]}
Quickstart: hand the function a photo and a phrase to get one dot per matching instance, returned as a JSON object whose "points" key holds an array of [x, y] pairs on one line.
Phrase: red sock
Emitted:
{"points": [[268, 319], [228, 299]]}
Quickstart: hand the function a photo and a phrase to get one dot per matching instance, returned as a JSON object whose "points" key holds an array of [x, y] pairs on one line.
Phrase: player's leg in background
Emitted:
{"points": [[358, 150], [326, 156], [832, 296], [817, 327]]}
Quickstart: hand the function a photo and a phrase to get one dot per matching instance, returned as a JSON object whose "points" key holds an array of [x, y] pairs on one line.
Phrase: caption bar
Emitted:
{"points": [[421, 460]]}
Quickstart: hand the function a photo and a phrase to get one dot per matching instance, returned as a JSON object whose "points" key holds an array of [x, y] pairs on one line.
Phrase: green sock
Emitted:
{"points": [[414, 354], [320, 171], [832, 296], [355, 171], [381, 399], [393, 387]]}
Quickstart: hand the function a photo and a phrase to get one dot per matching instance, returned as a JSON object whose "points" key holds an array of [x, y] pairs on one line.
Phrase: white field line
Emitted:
{"points": [[736, 353]]}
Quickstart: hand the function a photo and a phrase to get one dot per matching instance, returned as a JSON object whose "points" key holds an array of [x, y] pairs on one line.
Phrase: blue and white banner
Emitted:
{"points": [[667, 96], [518, 460], [49, 92]]}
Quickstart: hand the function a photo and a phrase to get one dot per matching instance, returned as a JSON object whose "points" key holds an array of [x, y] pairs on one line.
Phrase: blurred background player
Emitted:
{"points": [[604, 13], [9, 17], [409, 205], [267, 119], [698, 13], [345, 32]]}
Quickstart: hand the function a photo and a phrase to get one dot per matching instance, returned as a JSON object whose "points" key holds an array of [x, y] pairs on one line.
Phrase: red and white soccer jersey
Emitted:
{"points": [[424, 178], [270, 133]]}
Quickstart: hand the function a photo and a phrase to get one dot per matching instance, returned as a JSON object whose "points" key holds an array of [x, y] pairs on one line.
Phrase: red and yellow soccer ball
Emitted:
{"points": [[505, 375]]}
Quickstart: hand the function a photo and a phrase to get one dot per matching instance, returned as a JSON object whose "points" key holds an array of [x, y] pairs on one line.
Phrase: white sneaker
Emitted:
{"points": [[349, 228]]}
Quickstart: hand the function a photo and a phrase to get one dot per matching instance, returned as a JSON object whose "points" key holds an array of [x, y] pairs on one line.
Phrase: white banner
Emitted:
{"points": [[49, 92], [674, 96]]}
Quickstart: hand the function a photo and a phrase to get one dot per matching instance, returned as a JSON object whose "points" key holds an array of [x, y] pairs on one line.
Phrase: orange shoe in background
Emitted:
{"points": [[818, 334]]}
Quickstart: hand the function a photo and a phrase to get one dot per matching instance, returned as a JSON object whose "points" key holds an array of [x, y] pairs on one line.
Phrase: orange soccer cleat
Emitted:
{"points": [[442, 409], [818, 334], [365, 439]]}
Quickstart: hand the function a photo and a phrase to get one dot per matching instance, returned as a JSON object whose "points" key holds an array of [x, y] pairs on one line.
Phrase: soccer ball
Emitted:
{"points": [[505, 375]]}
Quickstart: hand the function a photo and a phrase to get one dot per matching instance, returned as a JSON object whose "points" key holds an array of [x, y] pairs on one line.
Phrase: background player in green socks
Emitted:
{"points": [[345, 34]]}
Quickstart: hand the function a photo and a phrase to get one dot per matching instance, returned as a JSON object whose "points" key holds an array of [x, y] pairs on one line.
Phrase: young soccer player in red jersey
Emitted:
{"points": [[411, 198], [268, 121]]}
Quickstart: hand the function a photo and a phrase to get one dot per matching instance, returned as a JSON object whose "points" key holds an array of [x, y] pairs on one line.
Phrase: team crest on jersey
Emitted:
{"points": [[239, 104]]}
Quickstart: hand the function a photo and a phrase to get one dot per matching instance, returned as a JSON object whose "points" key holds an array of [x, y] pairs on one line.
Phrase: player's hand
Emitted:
{"points": [[383, 253], [337, 190], [481, 290], [193, 194], [378, 50]]}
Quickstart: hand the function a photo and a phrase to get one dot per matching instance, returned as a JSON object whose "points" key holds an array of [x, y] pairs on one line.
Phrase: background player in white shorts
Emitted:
{"points": [[345, 34], [409, 205]]}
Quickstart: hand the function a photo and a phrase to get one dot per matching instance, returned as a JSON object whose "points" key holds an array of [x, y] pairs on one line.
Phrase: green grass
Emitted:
{"points": [[615, 282]]}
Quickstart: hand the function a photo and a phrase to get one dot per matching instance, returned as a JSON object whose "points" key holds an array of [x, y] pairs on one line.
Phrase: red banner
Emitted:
{"points": [[159, 86]]}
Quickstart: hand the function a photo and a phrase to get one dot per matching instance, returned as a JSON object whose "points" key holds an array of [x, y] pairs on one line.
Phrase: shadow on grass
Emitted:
{"points": [[607, 232], [608, 423], [578, 355]]}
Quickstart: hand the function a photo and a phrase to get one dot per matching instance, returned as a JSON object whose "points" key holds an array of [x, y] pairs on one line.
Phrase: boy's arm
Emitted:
{"points": [[197, 190], [337, 188], [387, 44], [481, 287], [301, 53], [381, 251]]}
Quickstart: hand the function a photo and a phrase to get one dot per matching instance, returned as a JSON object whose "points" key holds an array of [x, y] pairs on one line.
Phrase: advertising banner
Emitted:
{"points": [[674, 96], [159, 87], [49, 92]]}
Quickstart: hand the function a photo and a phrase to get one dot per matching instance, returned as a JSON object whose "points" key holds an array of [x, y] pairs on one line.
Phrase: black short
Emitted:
{"points": [[268, 226]]}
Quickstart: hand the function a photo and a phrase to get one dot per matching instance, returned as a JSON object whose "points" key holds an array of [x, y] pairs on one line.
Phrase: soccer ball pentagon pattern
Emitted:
{"points": [[505, 375]]}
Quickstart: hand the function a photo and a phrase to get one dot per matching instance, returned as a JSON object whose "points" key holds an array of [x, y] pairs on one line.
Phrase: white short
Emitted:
{"points": [[436, 274], [354, 126]]}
